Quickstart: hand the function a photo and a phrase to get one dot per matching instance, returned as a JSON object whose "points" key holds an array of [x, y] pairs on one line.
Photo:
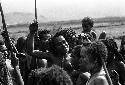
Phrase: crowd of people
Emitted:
{"points": [[63, 58]]}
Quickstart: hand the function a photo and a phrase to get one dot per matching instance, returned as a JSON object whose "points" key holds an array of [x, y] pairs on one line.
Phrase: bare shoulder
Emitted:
{"points": [[101, 80]]}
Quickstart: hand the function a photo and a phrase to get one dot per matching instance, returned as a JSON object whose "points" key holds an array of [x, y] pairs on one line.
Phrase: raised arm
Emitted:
{"points": [[30, 43], [30, 38]]}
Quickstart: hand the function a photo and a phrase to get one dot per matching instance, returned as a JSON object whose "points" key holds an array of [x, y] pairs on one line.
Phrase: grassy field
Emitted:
{"points": [[116, 30]]}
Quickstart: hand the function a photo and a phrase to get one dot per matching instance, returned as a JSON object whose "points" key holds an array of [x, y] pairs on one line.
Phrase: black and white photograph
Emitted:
{"points": [[62, 42]]}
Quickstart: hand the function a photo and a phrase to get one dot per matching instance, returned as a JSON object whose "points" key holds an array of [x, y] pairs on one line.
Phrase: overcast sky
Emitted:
{"points": [[67, 9]]}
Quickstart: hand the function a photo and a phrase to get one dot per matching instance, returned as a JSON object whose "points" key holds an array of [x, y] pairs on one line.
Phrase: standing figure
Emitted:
{"points": [[87, 25]]}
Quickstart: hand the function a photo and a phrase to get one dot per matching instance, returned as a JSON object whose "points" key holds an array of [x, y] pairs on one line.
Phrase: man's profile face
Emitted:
{"points": [[46, 36], [61, 45]]}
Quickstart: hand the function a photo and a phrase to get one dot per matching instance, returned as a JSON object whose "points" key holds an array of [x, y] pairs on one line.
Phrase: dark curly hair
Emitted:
{"points": [[53, 75], [68, 34], [110, 44], [97, 51], [41, 32], [21, 44], [111, 47], [87, 21]]}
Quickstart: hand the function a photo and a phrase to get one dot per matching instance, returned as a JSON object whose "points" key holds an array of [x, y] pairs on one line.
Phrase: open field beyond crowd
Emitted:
{"points": [[116, 30]]}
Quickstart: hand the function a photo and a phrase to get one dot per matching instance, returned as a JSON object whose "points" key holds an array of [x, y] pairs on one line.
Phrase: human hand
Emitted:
{"points": [[33, 27]]}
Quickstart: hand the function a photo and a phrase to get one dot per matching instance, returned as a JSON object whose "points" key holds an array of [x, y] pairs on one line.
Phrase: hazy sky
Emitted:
{"points": [[67, 9]]}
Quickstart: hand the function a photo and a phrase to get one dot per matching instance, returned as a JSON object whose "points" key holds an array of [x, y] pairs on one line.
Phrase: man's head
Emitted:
{"points": [[53, 75], [44, 34], [59, 45], [21, 44], [87, 24], [92, 55], [44, 37], [112, 48], [69, 35]]}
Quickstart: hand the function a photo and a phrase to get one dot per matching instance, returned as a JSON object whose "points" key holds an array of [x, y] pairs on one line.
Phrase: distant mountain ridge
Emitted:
{"points": [[96, 20], [16, 18], [110, 19], [22, 19]]}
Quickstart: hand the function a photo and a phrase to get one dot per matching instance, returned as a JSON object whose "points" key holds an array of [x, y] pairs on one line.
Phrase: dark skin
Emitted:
{"points": [[78, 77], [114, 61], [87, 64], [44, 42], [61, 45]]}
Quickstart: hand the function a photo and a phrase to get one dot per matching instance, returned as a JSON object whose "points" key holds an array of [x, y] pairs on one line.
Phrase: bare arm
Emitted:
{"points": [[30, 44]]}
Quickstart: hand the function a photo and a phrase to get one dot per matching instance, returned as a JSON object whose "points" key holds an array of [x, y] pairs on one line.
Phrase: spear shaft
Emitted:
{"points": [[35, 11]]}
